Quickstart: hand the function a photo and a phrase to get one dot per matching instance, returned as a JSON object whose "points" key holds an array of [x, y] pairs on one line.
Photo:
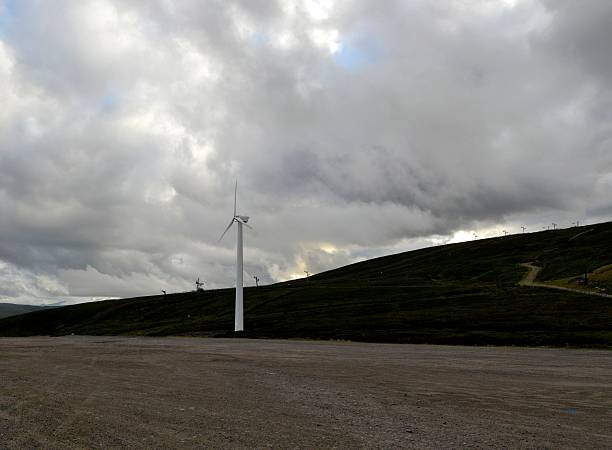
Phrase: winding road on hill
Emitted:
{"points": [[529, 280]]}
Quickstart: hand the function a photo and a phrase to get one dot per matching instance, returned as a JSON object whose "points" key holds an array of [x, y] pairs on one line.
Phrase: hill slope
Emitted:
{"points": [[463, 293]]}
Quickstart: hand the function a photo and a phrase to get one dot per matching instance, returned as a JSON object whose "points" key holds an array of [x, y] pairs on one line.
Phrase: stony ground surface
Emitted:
{"points": [[119, 392]]}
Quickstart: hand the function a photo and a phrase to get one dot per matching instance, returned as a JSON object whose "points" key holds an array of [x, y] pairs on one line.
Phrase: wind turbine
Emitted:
{"points": [[240, 220]]}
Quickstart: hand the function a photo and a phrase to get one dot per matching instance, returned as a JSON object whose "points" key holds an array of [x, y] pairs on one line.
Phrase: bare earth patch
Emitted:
{"points": [[120, 392]]}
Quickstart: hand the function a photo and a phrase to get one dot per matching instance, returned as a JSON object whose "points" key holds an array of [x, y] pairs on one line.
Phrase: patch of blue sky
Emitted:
{"points": [[108, 102], [261, 38], [7, 13], [356, 56], [351, 57]]}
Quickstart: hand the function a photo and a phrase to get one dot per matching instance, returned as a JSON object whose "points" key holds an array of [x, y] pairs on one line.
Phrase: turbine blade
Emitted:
{"points": [[235, 192], [228, 227], [253, 230]]}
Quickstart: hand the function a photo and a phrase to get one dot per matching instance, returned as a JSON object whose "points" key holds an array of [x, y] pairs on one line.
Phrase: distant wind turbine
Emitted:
{"points": [[240, 221], [554, 226], [524, 228], [256, 280]]}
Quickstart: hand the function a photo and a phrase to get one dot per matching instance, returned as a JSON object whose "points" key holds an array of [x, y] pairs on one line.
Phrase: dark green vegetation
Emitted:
{"points": [[454, 294], [11, 309]]}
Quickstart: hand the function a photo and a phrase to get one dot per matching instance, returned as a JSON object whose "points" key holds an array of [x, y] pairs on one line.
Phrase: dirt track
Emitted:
{"points": [[529, 280], [100, 392]]}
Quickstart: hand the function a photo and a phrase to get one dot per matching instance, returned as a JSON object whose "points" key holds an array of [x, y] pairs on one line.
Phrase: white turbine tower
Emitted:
{"points": [[240, 220]]}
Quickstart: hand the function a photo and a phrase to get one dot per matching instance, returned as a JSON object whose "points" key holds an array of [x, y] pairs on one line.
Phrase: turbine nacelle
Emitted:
{"points": [[242, 220]]}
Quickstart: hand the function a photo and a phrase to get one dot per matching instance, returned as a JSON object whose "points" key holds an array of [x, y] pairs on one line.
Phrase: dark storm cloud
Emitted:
{"points": [[355, 128], [581, 33]]}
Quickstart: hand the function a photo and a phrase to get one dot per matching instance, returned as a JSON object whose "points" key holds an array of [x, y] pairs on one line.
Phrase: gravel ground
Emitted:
{"points": [[119, 392]]}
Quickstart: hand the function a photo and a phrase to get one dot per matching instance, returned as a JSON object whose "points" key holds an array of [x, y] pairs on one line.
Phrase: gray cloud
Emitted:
{"points": [[355, 128]]}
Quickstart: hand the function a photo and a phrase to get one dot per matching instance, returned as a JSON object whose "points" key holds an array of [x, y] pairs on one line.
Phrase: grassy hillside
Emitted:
{"points": [[12, 309], [463, 293]]}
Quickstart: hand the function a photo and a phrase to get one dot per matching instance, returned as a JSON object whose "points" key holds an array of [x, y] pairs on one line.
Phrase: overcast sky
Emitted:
{"points": [[354, 128]]}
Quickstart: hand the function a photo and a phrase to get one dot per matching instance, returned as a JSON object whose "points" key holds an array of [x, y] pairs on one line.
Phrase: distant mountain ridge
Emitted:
{"points": [[14, 309], [464, 293]]}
